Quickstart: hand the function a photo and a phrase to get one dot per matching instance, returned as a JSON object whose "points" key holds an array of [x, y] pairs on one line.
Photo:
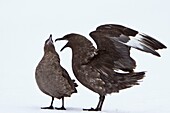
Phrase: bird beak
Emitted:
{"points": [[50, 40], [58, 39], [67, 45]]}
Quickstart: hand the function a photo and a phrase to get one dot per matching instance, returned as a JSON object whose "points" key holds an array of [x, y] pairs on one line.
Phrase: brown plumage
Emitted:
{"points": [[95, 68], [52, 79]]}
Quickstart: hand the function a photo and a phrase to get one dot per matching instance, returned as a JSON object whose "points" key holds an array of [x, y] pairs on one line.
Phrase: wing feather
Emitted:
{"points": [[131, 38], [118, 52], [116, 41]]}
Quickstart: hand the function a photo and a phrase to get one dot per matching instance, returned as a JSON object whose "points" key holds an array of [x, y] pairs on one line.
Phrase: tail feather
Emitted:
{"points": [[127, 80], [121, 81], [75, 84]]}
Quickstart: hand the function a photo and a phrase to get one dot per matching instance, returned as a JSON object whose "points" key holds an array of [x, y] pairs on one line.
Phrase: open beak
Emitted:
{"points": [[58, 39], [64, 47], [67, 45]]}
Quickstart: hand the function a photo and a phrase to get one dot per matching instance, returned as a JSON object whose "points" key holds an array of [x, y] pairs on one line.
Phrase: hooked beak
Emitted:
{"points": [[58, 39], [67, 45]]}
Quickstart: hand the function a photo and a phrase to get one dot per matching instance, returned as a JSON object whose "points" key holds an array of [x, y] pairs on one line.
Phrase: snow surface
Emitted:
{"points": [[25, 25]]}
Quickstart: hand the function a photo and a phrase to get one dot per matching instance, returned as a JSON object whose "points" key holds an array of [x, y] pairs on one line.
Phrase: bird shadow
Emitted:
{"points": [[73, 109]]}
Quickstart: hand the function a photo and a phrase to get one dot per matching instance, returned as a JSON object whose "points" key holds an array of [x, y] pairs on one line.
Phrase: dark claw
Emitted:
{"points": [[50, 107], [92, 109], [62, 108]]}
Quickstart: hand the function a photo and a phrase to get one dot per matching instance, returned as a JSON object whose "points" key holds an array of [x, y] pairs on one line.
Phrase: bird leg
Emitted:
{"points": [[51, 106], [99, 106], [62, 107]]}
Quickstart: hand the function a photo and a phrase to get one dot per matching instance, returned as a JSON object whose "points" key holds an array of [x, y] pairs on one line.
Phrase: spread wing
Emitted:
{"points": [[118, 52], [132, 38], [116, 41]]}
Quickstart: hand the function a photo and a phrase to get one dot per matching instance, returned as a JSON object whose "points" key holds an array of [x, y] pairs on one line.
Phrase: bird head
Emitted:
{"points": [[82, 48], [49, 46], [66, 37], [49, 41], [74, 40]]}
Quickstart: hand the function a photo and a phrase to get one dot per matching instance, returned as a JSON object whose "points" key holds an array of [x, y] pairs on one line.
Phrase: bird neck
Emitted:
{"points": [[49, 48], [51, 55], [83, 55]]}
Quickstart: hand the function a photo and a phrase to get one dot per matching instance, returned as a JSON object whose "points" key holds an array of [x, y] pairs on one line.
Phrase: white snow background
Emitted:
{"points": [[26, 24]]}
